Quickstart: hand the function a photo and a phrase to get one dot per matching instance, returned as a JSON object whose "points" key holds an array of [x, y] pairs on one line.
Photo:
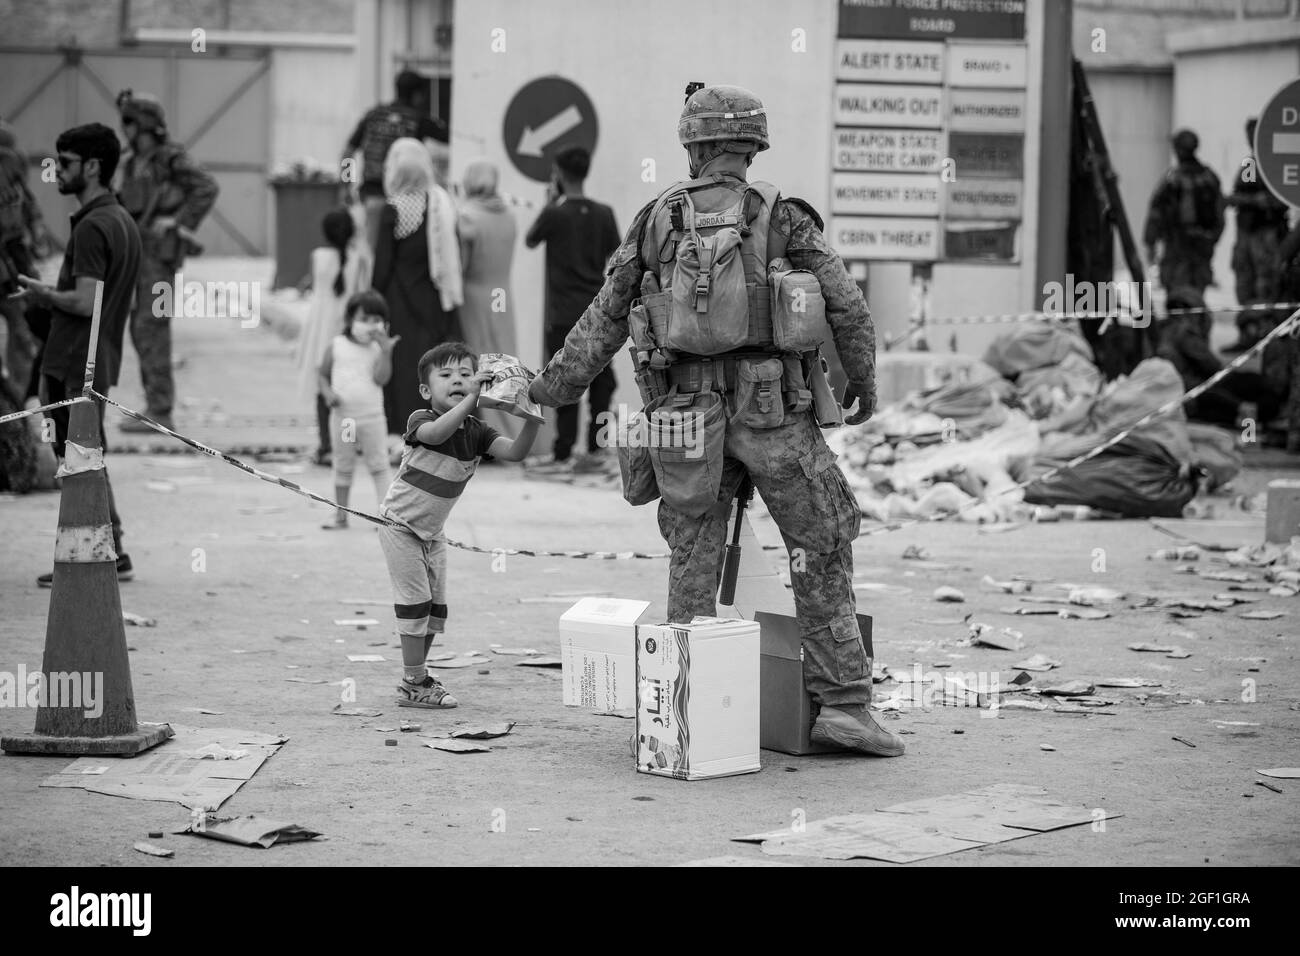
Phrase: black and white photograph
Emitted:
{"points": [[838, 434]]}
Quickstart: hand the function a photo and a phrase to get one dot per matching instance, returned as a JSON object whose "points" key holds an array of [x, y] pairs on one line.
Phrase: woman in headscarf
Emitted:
{"points": [[487, 246], [417, 271]]}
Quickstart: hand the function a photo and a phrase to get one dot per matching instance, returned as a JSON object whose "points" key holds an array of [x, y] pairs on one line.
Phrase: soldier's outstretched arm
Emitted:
{"points": [[597, 337], [199, 187], [846, 308]]}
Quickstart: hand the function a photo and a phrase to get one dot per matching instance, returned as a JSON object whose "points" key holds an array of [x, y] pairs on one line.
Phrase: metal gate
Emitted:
{"points": [[217, 106]]}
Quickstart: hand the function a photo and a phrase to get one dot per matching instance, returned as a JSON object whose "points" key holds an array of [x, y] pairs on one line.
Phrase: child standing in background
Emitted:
{"points": [[356, 367], [339, 270]]}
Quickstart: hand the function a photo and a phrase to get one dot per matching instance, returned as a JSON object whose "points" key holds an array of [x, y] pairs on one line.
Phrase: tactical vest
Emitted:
{"points": [[717, 282]]}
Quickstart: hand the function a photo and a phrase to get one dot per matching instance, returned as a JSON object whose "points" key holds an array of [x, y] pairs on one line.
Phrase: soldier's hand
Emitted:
{"points": [[865, 397]]}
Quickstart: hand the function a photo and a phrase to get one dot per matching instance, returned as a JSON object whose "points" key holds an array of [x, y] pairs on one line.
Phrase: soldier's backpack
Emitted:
{"points": [[723, 282]]}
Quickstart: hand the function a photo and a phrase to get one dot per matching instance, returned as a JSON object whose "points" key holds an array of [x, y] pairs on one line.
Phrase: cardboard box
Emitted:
{"points": [[598, 653], [786, 708], [697, 703]]}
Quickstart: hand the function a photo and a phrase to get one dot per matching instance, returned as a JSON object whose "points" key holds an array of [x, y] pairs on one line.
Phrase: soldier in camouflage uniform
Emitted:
{"points": [[168, 194], [791, 466], [1185, 219]]}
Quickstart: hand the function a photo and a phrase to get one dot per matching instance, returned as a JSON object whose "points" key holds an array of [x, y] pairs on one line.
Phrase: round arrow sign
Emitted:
{"points": [[547, 115], [1277, 144]]}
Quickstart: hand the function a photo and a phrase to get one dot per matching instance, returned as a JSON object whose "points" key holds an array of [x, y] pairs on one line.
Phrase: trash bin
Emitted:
{"points": [[299, 208]]}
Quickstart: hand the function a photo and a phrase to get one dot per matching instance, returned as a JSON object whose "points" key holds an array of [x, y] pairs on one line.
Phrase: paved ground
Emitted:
{"points": [[562, 781]]}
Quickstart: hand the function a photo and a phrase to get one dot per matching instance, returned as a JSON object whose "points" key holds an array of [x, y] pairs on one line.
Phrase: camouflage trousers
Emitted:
{"points": [[807, 495], [152, 335]]}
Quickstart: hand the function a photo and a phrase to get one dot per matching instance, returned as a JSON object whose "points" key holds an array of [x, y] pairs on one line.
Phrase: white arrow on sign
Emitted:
{"points": [[533, 140]]}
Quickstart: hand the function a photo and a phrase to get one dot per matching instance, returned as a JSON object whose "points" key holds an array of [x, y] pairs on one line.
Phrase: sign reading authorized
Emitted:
{"points": [[984, 199], [865, 237], [885, 194], [888, 150], [992, 111], [879, 104], [888, 61]]}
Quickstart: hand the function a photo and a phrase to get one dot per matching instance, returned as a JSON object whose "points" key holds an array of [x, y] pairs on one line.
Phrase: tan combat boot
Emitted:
{"points": [[854, 728]]}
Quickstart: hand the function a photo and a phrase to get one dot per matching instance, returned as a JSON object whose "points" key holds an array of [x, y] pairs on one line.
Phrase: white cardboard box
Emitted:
{"points": [[697, 703], [598, 653]]}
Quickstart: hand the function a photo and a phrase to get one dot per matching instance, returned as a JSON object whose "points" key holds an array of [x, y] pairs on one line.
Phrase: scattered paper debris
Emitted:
{"points": [[948, 594], [342, 711], [204, 710], [1083, 613], [1282, 773], [250, 830], [1153, 648], [1046, 747], [366, 658], [540, 661], [484, 731], [1262, 615], [1128, 682], [914, 553], [458, 746], [943, 621], [139, 620], [1016, 704], [152, 850], [443, 662], [1074, 688], [215, 751], [1039, 662], [1006, 639], [356, 622], [1089, 596], [1183, 741], [516, 651], [306, 680], [1237, 577], [1006, 587]]}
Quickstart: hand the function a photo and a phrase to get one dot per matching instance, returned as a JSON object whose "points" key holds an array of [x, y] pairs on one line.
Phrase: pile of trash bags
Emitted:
{"points": [[1035, 403]]}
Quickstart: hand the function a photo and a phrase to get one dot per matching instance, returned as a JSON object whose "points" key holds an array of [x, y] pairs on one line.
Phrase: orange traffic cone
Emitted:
{"points": [[87, 705]]}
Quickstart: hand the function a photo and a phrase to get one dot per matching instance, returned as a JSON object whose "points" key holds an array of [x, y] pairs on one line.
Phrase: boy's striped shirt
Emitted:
{"points": [[432, 477]]}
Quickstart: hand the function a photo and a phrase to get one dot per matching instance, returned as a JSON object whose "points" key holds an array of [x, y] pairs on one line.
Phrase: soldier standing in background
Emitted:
{"points": [[1261, 224], [1185, 219], [168, 194], [757, 394]]}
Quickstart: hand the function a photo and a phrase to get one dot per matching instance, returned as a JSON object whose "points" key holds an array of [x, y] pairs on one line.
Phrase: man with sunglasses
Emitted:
{"points": [[103, 246]]}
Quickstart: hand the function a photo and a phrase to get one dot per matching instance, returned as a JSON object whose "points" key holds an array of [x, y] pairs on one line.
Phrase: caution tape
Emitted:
{"points": [[14, 416], [1284, 327], [376, 519], [1111, 314]]}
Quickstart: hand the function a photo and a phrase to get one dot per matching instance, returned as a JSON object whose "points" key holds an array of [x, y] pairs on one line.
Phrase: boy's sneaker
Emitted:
{"points": [[124, 572], [428, 693]]}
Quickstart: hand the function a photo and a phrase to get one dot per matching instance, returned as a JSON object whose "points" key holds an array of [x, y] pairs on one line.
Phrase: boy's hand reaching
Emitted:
{"points": [[477, 382]]}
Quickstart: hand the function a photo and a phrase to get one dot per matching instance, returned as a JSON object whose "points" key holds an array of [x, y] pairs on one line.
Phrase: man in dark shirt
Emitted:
{"points": [[406, 117], [103, 246], [1261, 225], [580, 235]]}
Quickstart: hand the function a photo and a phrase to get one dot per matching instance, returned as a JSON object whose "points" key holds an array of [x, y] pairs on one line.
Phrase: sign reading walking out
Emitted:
{"points": [[1277, 144], [547, 115]]}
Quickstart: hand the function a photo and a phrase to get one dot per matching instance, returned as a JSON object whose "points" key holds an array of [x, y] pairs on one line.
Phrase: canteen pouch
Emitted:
{"points": [[798, 308], [639, 485], [758, 397], [685, 447]]}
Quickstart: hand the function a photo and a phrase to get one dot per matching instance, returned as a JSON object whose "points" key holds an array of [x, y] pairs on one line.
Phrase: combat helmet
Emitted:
{"points": [[723, 113], [143, 109]]}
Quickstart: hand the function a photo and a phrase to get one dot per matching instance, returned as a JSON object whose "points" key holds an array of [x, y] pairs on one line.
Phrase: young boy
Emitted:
{"points": [[445, 443]]}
